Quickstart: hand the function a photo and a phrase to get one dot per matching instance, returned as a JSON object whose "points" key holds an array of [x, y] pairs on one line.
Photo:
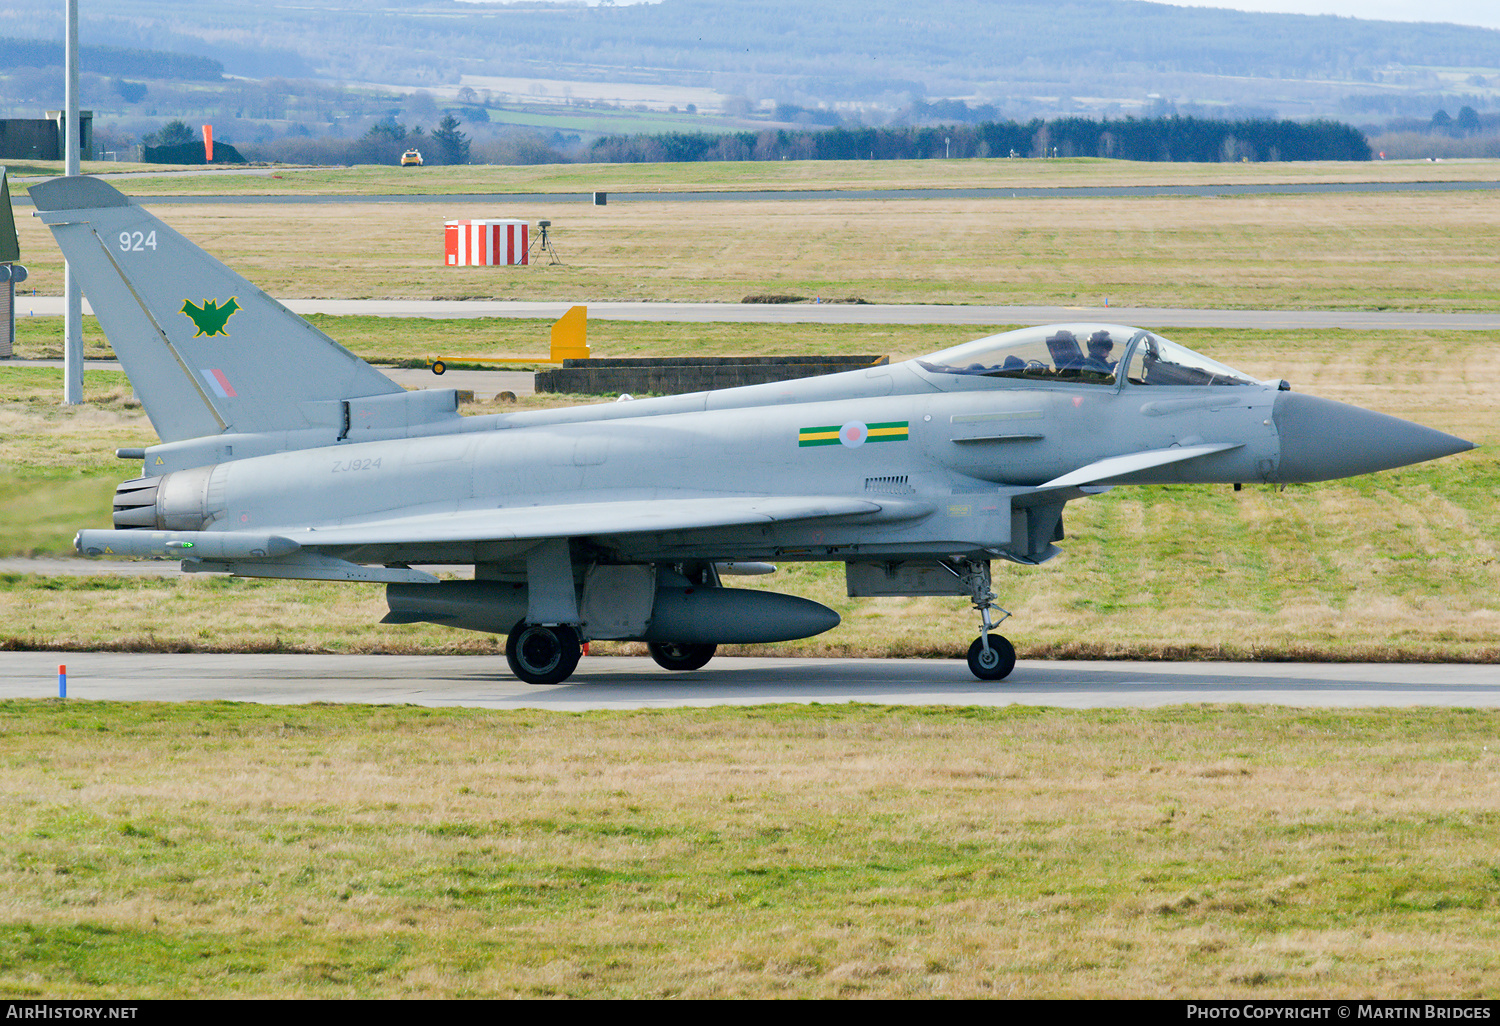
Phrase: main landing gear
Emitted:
{"points": [[541, 654], [680, 655], [991, 657], [673, 656]]}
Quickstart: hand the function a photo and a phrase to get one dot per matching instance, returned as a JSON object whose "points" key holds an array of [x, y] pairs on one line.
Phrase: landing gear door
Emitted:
{"points": [[917, 577], [1033, 529]]}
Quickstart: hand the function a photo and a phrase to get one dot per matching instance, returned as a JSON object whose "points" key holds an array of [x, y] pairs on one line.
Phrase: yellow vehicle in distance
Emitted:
{"points": [[411, 158]]}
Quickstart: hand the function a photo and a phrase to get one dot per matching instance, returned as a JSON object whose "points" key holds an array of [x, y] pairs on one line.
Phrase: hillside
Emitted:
{"points": [[801, 62]]}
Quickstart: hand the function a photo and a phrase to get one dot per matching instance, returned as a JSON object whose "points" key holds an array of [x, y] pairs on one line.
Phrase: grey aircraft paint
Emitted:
{"points": [[284, 455]]}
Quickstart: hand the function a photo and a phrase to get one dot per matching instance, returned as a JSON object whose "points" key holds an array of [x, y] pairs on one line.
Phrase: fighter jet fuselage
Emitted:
{"points": [[944, 471]]}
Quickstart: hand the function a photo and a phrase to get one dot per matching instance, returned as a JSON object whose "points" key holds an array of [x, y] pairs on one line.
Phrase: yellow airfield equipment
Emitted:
{"points": [[570, 341]]}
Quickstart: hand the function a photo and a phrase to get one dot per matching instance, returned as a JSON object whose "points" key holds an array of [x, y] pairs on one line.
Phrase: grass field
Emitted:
{"points": [[1411, 251], [790, 174], [220, 850], [1395, 565]]}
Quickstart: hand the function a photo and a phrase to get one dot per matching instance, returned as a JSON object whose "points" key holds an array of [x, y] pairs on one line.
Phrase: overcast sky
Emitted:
{"points": [[1462, 12]]}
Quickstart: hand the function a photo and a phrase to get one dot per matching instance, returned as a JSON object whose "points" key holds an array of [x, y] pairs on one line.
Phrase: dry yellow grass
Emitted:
{"points": [[1401, 251], [219, 850]]}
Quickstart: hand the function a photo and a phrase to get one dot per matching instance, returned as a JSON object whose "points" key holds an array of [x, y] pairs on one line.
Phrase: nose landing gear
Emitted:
{"points": [[991, 656]]}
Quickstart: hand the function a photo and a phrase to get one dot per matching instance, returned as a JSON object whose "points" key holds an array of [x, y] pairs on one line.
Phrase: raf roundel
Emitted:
{"points": [[853, 434]]}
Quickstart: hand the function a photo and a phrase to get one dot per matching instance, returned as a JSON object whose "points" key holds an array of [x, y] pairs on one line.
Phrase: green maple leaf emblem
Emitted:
{"points": [[210, 318]]}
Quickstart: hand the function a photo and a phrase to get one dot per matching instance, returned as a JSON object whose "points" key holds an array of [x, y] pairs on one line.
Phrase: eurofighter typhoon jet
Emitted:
{"points": [[284, 455]]}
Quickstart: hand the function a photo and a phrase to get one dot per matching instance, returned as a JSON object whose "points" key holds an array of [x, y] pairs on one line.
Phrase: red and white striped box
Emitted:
{"points": [[485, 243]]}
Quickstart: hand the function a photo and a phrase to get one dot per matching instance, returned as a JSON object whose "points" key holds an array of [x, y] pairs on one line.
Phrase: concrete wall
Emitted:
{"points": [[44, 138], [689, 374], [29, 139]]}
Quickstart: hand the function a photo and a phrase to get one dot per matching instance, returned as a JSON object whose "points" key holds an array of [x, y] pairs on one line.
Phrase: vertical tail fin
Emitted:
{"points": [[10, 244], [206, 351]]}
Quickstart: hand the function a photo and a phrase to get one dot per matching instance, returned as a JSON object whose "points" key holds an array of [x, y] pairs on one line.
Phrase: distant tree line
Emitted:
{"points": [[387, 139], [1471, 134], [513, 148], [1468, 123], [1147, 139], [110, 60]]}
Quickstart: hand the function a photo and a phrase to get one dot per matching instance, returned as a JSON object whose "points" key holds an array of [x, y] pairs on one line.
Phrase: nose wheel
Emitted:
{"points": [[992, 657], [541, 654]]}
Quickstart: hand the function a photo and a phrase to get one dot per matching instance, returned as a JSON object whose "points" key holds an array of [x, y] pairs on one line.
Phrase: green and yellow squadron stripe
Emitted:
{"points": [[891, 431], [818, 436], [858, 434]]}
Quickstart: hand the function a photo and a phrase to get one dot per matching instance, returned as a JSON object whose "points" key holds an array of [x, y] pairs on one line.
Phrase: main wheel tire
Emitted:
{"points": [[542, 655], [670, 655], [994, 663]]}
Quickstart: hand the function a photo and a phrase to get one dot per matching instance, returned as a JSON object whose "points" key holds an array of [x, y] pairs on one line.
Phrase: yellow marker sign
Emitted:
{"points": [[570, 335]]}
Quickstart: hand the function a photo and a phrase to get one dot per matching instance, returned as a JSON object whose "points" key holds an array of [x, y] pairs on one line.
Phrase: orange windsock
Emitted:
{"points": [[208, 144]]}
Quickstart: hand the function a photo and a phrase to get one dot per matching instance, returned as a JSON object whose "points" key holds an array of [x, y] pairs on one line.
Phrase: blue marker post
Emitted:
{"points": [[62, 681]]}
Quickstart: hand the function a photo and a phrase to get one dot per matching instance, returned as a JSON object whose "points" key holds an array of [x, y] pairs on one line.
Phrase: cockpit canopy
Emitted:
{"points": [[1083, 354]]}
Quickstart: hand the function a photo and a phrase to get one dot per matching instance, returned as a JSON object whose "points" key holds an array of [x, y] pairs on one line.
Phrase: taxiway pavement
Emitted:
{"points": [[825, 195], [617, 682]]}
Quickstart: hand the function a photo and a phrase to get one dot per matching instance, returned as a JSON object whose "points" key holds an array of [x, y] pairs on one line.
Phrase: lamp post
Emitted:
{"points": [[73, 309]]}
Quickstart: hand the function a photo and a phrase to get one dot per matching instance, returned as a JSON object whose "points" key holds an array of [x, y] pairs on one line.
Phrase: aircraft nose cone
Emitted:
{"points": [[1322, 440]]}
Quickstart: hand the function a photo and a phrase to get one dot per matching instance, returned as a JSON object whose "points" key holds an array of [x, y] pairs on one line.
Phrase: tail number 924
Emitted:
{"points": [[137, 242]]}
